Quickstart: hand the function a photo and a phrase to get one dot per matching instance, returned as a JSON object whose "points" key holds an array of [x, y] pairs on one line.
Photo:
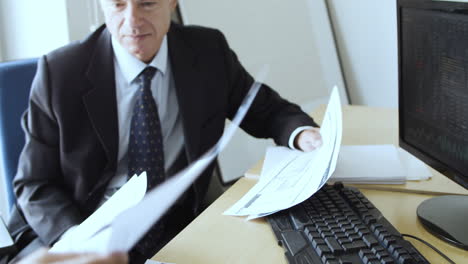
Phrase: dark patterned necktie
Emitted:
{"points": [[145, 146], [145, 151]]}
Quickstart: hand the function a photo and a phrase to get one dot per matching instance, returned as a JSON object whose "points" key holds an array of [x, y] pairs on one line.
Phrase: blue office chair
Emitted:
{"points": [[15, 84]]}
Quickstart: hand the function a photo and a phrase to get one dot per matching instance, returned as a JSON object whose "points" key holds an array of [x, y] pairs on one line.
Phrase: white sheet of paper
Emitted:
{"points": [[415, 169], [150, 261], [369, 164], [297, 175], [131, 193], [126, 229], [5, 238]]}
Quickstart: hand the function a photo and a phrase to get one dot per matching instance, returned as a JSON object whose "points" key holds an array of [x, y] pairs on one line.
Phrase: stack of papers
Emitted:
{"points": [[362, 164], [378, 164]]}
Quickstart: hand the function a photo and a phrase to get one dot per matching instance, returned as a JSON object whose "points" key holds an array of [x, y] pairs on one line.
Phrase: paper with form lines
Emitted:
{"points": [[127, 228], [299, 174]]}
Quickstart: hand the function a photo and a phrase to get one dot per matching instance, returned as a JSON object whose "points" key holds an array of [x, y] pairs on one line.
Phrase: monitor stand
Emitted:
{"points": [[447, 218]]}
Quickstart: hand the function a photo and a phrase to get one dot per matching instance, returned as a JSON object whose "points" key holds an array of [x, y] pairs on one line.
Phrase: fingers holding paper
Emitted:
{"points": [[308, 140]]}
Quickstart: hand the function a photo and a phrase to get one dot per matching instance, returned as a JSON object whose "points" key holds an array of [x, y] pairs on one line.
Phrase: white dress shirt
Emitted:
{"points": [[127, 68]]}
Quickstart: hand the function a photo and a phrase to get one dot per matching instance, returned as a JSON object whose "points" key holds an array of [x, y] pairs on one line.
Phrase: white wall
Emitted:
{"points": [[270, 32], [1, 31], [366, 34], [293, 37], [84, 16], [32, 28]]}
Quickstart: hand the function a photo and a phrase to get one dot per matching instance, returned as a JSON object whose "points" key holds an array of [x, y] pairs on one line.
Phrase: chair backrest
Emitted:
{"points": [[15, 84]]}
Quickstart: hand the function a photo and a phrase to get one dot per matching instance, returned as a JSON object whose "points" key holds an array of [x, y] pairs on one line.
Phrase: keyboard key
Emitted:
{"points": [[384, 235], [294, 241], [376, 226], [341, 219], [377, 249], [320, 224], [387, 260], [378, 231], [317, 242], [328, 257], [312, 235], [368, 258], [355, 237], [370, 240], [343, 241], [398, 252], [322, 249], [340, 235], [364, 252], [360, 226], [363, 232], [393, 247], [356, 245], [388, 241], [333, 245], [346, 226], [369, 219], [382, 254]]}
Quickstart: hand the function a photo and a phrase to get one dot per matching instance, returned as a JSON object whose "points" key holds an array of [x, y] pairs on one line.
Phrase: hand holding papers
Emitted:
{"points": [[298, 175]]}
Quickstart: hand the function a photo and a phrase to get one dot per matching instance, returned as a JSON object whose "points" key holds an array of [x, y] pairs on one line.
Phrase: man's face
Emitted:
{"points": [[139, 25]]}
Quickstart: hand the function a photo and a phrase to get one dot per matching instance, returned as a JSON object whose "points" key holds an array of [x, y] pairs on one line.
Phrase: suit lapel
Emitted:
{"points": [[187, 81], [100, 101]]}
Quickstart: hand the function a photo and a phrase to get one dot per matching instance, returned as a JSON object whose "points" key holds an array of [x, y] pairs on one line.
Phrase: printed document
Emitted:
{"points": [[299, 174]]}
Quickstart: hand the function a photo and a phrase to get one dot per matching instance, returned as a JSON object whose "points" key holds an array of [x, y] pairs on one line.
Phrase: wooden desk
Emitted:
{"points": [[215, 238]]}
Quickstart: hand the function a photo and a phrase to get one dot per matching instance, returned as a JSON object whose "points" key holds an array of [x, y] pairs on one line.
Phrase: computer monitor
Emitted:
{"points": [[433, 104]]}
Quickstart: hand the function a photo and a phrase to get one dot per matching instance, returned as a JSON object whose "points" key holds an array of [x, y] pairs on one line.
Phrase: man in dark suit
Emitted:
{"points": [[80, 124]]}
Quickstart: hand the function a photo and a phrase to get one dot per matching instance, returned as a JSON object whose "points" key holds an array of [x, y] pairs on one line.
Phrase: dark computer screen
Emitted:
{"points": [[433, 104], [433, 85]]}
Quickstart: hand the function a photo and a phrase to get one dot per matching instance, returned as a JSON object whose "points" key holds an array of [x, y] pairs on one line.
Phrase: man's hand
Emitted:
{"points": [[42, 256], [308, 140]]}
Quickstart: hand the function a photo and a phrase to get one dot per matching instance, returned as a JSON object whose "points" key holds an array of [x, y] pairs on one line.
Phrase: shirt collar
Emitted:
{"points": [[130, 66]]}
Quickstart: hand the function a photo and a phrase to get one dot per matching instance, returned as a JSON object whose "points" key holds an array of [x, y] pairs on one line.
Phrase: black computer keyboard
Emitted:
{"points": [[339, 225]]}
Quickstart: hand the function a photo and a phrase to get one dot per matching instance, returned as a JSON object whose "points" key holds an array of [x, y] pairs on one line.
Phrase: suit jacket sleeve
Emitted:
{"points": [[42, 197], [270, 116]]}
